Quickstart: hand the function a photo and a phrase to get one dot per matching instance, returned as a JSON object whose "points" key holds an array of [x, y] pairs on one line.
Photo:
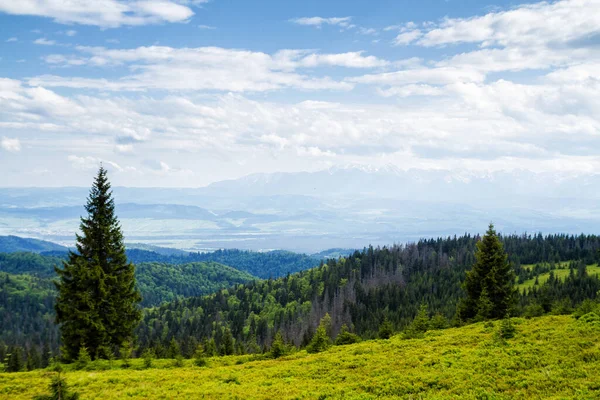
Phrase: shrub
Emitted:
{"points": [[178, 361], [419, 326], [200, 356], [278, 347], [507, 329], [321, 340], [83, 359], [562, 307], [587, 306], [59, 390], [148, 357], [346, 337], [386, 330], [125, 352], [438, 322], [533, 310]]}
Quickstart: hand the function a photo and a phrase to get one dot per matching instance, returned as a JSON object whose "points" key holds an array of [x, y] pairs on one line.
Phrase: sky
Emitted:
{"points": [[182, 93]]}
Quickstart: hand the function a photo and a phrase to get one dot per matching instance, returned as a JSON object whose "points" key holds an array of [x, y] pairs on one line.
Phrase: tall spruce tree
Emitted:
{"points": [[489, 286], [97, 302]]}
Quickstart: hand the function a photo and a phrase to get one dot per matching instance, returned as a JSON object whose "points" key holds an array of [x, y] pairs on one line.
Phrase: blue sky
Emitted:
{"points": [[184, 92]]}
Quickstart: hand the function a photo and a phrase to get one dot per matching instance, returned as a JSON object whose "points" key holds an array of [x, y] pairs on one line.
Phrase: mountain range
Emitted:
{"points": [[312, 211]]}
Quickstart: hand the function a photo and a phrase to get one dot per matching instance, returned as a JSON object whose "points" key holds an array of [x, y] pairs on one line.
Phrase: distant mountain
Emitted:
{"points": [[309, 212], [11, 244]]}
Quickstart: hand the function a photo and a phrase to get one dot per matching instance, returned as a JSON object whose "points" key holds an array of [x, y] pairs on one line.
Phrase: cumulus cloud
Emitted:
{"points": [[104, 13], [10, 144], [528, 25]]}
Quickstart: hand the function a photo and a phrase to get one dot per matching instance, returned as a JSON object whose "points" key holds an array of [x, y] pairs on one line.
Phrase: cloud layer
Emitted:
{"points": [[518, 88]]}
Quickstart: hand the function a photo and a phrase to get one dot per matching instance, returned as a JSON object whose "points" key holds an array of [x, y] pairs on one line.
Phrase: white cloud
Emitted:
{"points": [[350, 60], [10, 144], [367, 31], [407, 37], [527, 25], [71, 33], [45, 42], [12, 39], [208, 68], [103, 13], [344, 22], [89, 162], [206, 27]]}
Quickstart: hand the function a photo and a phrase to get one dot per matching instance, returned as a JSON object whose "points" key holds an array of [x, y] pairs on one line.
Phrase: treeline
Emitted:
{"points": [[361, 291]]}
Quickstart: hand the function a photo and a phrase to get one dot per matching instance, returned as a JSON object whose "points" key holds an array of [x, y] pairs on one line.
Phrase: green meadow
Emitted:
{"points": [[561, 273], [551, 357]]}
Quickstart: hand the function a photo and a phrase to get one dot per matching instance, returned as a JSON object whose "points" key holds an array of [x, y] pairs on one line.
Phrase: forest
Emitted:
{"points": [[360, 290]]}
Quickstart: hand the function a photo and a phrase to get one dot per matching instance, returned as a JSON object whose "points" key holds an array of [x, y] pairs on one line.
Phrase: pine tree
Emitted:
{"points": [[59, 390], [228, 346], [386, 329], [97, 296], [346, 337], [278, 347], [15, 360], [489, 286], [33, 359]]}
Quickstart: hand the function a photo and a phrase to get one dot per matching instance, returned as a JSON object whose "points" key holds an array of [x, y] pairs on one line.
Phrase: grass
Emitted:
{"points": [[551, 357], [560, 273]]}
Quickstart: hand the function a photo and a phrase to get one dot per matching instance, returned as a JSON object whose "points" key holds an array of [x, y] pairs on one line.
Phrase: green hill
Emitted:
{"points": [[11, 244], [555, 357]]}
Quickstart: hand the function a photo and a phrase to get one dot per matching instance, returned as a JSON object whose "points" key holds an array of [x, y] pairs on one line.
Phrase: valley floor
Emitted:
{"points": [[552, 357]]}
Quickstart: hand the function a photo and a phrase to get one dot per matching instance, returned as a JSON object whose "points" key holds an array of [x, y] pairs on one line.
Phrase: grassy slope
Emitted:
{"points": [[552, 357], [560, 273]]}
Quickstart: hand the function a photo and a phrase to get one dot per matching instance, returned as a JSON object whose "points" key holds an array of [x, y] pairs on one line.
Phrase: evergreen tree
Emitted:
{"points": [[97, 297], [59, 390], [420, 324], [15, 360], [200, 356], [321, 340], [278, 347], [173, 350], [346, 337], [489, 285], [33, 359], [227, 346], [386, 329]]}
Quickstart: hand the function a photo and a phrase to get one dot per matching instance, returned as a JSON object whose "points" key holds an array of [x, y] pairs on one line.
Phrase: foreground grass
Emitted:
{"points": [[554, 357]]}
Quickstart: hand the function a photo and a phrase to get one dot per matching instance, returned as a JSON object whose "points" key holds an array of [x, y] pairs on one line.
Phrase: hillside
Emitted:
{"points": [[11, 244], [554, 357], [363, 289], [27, 299], [268, 264]]}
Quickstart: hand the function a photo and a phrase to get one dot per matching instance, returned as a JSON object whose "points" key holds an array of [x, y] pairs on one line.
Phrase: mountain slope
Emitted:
{"points": [[550, 357], [361, 290], [11, 244]]}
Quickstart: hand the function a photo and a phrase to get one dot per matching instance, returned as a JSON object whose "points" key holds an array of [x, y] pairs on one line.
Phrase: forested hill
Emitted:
{"points": [[27, 299], [364, 289], [271, 264], [10, 244]]}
